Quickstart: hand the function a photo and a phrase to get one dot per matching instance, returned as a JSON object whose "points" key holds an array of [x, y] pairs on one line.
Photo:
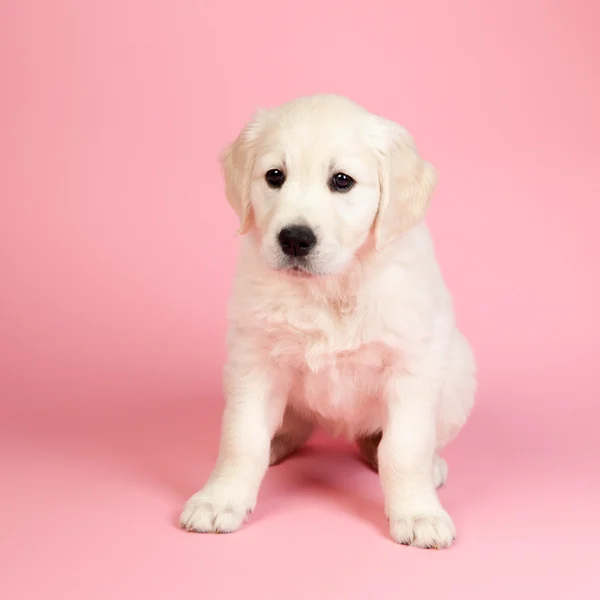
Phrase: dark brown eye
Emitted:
{"points": [[341, 182], [275, 178]]}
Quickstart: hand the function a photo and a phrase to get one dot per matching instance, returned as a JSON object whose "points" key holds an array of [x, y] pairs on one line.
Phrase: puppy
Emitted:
{"points": [[340, 316]]}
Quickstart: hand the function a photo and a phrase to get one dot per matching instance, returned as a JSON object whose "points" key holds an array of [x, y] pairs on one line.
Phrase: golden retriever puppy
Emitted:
{"points": [[339, 317]]}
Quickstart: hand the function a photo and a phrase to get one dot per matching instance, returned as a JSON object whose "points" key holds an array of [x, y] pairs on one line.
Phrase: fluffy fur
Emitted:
{"points": [[359, 337]]}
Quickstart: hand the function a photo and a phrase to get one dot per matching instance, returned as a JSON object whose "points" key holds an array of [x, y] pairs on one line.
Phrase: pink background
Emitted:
{"points": [[117, 256]]}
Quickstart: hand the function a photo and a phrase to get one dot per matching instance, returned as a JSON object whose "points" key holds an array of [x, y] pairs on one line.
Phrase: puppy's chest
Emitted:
{"points": [[345, 391], [339, 362]]}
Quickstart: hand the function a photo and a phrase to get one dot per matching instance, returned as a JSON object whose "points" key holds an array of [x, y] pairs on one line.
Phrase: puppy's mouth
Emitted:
{"points": [[297, 268], [298, 272]]}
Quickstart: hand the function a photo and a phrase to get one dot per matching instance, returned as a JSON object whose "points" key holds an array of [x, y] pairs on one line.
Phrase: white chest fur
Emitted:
{"points": [[337, 362]]}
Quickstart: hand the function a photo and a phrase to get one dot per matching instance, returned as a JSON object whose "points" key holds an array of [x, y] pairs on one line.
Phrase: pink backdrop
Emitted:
{"points": [[117, 255]]}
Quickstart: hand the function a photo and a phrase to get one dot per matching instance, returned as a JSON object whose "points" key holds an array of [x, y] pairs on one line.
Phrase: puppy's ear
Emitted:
{"points": [[237, 161], [406, 183]]}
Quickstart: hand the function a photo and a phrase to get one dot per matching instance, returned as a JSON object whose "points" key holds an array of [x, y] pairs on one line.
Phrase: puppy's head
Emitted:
{"points": [[316, 177]]}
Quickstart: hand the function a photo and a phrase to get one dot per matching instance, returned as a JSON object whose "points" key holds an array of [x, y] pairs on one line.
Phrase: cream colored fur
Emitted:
{"points": [[361, 340]]}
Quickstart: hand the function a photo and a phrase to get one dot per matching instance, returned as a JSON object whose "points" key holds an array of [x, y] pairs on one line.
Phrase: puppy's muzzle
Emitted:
{"points": [[297, 240]]}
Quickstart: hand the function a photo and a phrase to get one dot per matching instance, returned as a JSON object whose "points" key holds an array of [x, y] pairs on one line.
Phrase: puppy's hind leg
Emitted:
{"points": [[293, 433], [368, 446]]}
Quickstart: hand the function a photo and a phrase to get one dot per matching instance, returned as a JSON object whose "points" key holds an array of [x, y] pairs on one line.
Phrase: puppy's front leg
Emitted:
{"points": [[406, 455], [253, 411]]}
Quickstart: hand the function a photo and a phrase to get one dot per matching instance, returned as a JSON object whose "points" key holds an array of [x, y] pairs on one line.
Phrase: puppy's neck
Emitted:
{"points": [[341, 292]]}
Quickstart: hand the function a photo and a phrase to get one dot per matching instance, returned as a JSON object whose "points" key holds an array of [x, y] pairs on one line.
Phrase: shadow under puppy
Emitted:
{"points": [[339, 316]]}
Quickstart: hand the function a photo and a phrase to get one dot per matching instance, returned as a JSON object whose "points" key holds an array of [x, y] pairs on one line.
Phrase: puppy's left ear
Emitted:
{"points": [[237, 161], [406, 183]]}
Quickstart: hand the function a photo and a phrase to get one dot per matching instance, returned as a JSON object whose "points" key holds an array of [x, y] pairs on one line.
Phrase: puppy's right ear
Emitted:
{"points": [[237, 161]]}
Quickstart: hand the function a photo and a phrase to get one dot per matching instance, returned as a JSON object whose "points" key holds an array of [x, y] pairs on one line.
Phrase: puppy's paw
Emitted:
{"points": [[210, 511], [423, 530]]}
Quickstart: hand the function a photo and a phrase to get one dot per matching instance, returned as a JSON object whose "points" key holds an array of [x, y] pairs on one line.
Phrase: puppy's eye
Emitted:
{"points": [[341, 182], [275, 178]]}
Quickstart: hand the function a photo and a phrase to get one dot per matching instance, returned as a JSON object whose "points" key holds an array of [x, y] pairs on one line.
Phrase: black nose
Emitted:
{"points": [[297, 240]]}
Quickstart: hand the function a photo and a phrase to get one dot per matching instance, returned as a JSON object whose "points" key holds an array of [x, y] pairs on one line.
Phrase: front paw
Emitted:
{"points": [[433, 530], [215, 511]]}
